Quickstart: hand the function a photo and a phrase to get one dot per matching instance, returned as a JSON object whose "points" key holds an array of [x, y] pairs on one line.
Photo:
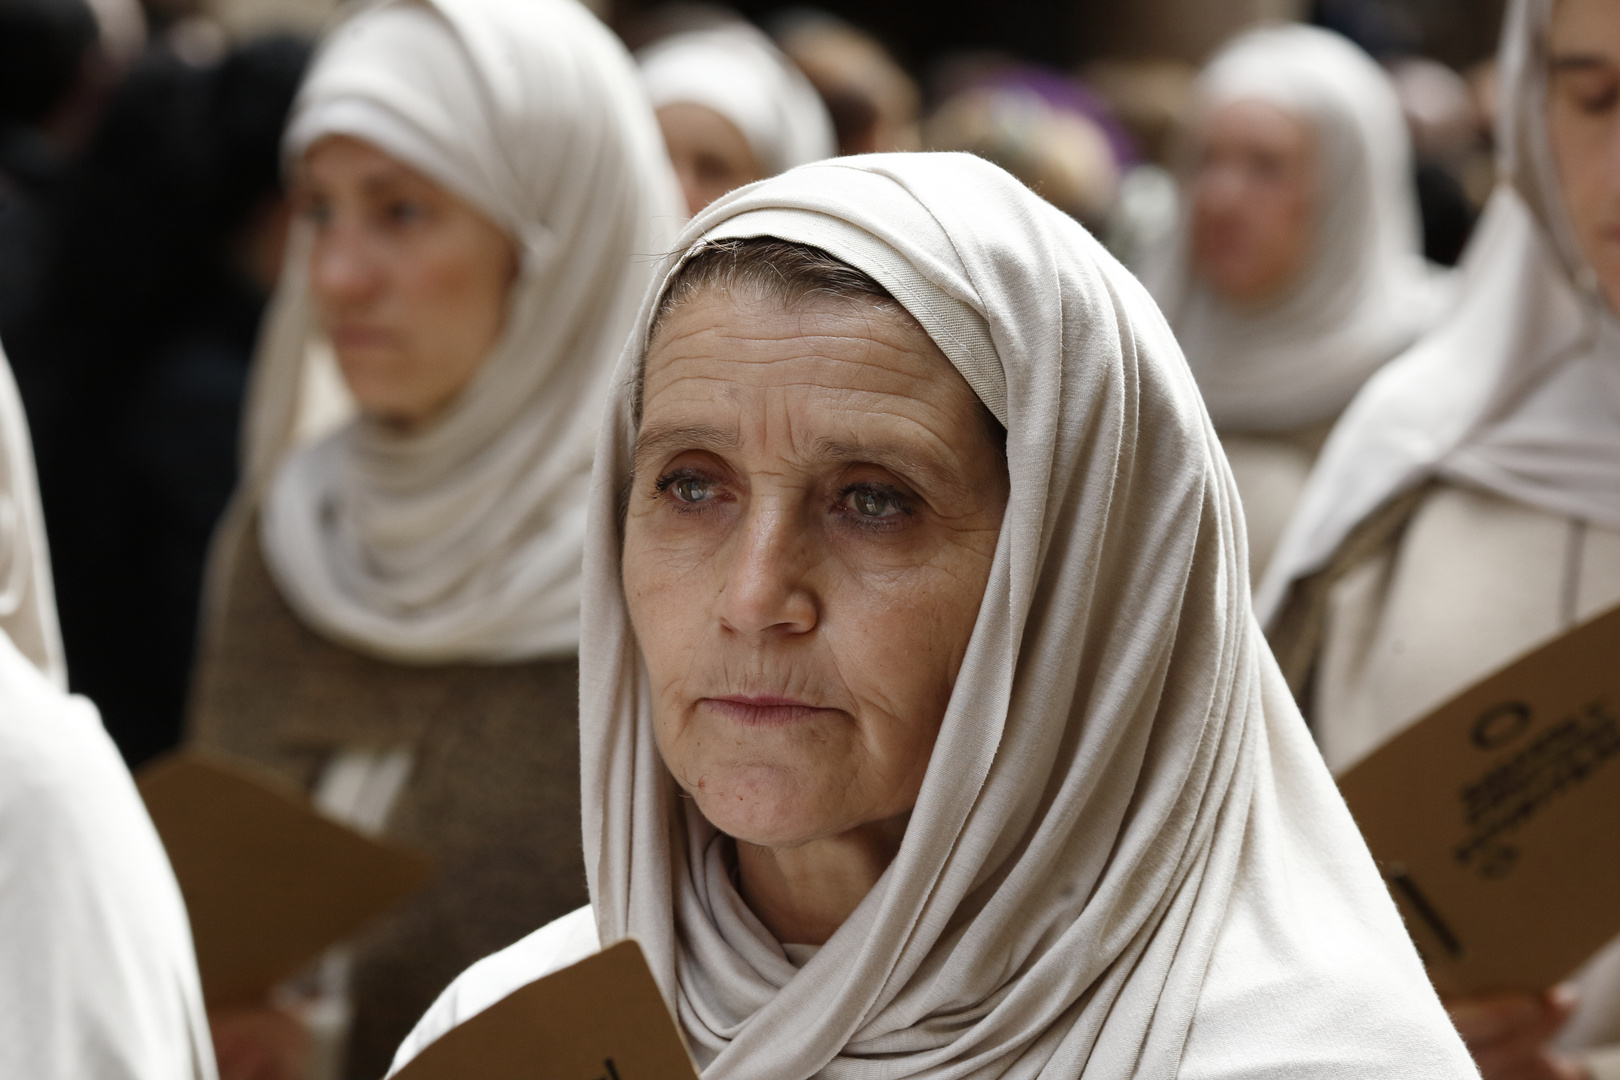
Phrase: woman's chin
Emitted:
{"points": [[764, 819]]}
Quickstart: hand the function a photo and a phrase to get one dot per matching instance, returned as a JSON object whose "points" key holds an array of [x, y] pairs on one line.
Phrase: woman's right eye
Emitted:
{"points": [[690, 490], [687, 489]]}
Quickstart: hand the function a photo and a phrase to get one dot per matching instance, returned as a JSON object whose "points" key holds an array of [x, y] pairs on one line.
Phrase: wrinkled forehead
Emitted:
{"points": [[961, 333]]}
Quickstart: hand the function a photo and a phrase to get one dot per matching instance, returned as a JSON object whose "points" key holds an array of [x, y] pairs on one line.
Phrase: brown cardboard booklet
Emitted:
{"points": [[601, 1019], [268, 881], [1496, 818]]}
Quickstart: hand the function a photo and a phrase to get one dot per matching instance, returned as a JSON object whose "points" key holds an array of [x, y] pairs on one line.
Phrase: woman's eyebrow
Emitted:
{"points": [[1558, 64], [658, 440], [897, 459]]}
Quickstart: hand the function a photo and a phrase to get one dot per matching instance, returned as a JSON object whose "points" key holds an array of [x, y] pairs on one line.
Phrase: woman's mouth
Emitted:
{"points": [[763, 710]]}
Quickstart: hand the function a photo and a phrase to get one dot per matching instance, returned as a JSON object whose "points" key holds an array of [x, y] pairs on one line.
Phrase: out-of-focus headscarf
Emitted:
{"points": [[97, 973], [462, 540], [1126, 857], [736, 71], [1365, 293], [1518, 391], [27, 597]]}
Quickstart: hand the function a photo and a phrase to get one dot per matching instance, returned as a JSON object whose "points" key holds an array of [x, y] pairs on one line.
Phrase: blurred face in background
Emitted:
{"points": [[1253, 201], [409, 281], [1583, 126], [709, 153]]}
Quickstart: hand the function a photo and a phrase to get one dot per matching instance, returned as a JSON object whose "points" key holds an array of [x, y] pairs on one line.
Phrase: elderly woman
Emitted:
{"points": [[395, 607], [733, 109], [1467, 508], [97, 974], [1297, 269], [927, 731]]}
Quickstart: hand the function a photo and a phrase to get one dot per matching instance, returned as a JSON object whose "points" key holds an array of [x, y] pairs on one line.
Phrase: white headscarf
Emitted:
{"points": [[1517, 392], [1366, 292], [1126, 858], [461, 541], [27, 596], [97, 973], [737, 71]]}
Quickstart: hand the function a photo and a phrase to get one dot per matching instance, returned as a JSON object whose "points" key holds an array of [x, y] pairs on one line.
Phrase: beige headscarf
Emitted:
{"points": [[1126, 858], [740, 74], [27, 596], [462, 541], [1366, 292], [1517, 391]]}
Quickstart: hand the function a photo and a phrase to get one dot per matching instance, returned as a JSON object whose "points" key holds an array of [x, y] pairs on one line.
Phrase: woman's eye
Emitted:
{"points": [[404, 213], [1601, 101], [875, 504], [685, 488], [690, 489]]}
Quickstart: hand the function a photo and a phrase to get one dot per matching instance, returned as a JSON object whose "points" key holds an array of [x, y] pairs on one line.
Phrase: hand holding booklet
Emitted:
{"points": [[601, 1019], [1496, 818]]}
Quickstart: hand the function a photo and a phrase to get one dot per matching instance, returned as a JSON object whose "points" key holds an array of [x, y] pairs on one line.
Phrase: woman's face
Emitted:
{"points": [[410, 282], [711, 157], [1254, 197], [1583, 124], [815, 507]]}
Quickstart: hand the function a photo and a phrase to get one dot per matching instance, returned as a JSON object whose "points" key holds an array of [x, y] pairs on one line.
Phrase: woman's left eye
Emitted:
{"points": [[875, 503], [403, 213]]}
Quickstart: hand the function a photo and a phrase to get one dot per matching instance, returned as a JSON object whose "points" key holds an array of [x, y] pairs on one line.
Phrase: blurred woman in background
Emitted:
{"points": [[1298, 268], [394, 608], [1467, 507], [733, 109]]}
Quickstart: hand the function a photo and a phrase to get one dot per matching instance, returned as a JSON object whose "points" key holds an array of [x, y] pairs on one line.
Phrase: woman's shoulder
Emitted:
{"points": [[551, 948]]}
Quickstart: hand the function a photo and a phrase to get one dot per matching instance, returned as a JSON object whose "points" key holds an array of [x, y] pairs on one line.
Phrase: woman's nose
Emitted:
{"points": [[342, 269], [765, 590]]}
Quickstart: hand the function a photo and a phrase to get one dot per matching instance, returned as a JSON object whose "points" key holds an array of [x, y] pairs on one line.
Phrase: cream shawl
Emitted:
{"points": [[462, 541], [1366, 292], [1517, 391], [97, 973], [736, 71], [27, 597], [1127, 858]]}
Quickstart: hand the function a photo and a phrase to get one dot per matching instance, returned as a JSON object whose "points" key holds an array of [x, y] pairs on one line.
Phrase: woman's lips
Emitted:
{"points": [[764, 710], [360, 337]]}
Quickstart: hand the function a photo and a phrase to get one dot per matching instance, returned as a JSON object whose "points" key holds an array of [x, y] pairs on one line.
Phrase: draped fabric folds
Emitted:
{"points": [[736, 71], [97, 973], [1517, 391], [27, 596], [1366, 292], [461, 540], [1126, 857]]}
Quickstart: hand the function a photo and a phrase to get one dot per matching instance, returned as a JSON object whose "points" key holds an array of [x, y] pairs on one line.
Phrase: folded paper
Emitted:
{"points": [[268, 881], [1496, 818]]}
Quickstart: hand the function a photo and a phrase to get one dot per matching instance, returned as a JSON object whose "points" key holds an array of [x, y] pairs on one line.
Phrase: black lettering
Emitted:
{"points": [[1501, 724]]}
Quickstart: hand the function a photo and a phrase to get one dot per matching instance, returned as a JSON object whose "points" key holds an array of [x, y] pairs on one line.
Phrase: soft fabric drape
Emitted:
{"points": [[1127, 858], [97, 974], [1516, 392], [461, 540], [736, 71], [1365, 293], [27, 596]]}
